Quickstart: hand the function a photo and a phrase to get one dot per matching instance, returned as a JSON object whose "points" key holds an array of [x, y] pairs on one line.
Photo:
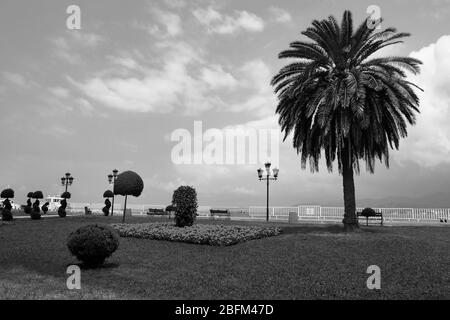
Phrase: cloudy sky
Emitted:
{"points": [[111, 94]]}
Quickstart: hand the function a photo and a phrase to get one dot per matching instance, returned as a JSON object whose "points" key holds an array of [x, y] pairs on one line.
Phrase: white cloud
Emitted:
{"points": [[217, 78], [256, 76], [168, 24], [57, 131], [428, 143], [86, 39], [184, 81], [59, 92], [169, 186], [177, 4], [171, 21], [16, 79], [62, 100], [280, 15], [216, 22], [126, 62], [67, 47], [162, 89]]}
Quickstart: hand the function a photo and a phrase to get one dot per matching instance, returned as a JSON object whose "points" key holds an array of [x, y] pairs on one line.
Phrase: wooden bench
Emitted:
{"points": [[220, 213], [157, 212], [376, 216]]}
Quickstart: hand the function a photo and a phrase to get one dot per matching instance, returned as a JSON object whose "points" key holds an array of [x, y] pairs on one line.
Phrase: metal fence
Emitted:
{"points": [[335, 214], [307, 213]]}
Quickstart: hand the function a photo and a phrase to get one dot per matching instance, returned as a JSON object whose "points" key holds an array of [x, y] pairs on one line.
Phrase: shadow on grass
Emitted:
{"points": [[84, 266], [333, 229]]}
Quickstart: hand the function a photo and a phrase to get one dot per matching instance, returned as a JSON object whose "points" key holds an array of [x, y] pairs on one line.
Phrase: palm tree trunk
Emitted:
{"points": [[124, 209], [350, 220]]}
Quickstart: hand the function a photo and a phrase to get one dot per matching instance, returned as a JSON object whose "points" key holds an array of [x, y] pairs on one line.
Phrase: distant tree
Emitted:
{"points": [[128, 183], [340, 102], [185, 202], [170, 208]]}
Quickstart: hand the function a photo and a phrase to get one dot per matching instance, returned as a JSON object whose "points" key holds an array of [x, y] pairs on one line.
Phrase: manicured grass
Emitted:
{"points": [[304, 262]]}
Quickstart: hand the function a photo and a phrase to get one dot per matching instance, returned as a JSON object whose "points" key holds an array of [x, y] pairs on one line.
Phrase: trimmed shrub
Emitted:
{"points": [[29, 207], [62, 208], [185, 201], [35, 215], [92, 244], [66, 195], [106, 207], [170, 208], [38, 195], [36, 208], [7, 207], [6, 215], [108, 194], [7, 194], [7, 204], [128, 183], [213, 235], [367, 212]]}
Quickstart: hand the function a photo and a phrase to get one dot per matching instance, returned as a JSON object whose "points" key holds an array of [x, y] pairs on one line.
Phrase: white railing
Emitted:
{"points": [[335, 214], [312, 213]]}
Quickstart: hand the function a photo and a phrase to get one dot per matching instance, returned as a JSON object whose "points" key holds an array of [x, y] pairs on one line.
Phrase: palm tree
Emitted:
{"points": [[339, 101]]}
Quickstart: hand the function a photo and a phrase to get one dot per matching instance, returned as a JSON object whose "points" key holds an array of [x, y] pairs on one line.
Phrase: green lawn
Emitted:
{"points": [[305, 262]]}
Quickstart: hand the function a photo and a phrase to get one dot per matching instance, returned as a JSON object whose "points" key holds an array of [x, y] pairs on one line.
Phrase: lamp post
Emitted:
{"points": [[268, 177], [67, 180], [112, 179]]}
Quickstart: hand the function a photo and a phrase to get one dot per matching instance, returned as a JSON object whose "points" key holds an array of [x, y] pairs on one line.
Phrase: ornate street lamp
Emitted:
{"points": [[268, 176], [112, 179], [67, 180]]}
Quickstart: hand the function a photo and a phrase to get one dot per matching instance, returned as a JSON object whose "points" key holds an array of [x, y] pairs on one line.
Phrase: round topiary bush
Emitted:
{"points": [[66, 195], [108, 194], [368, 212], [128, 183], [185, 202], [7, 194], [38, 195], [92, 244]]}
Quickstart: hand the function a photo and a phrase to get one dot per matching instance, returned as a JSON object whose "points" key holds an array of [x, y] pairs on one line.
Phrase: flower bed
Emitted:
{"points": [[214, 235]]}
